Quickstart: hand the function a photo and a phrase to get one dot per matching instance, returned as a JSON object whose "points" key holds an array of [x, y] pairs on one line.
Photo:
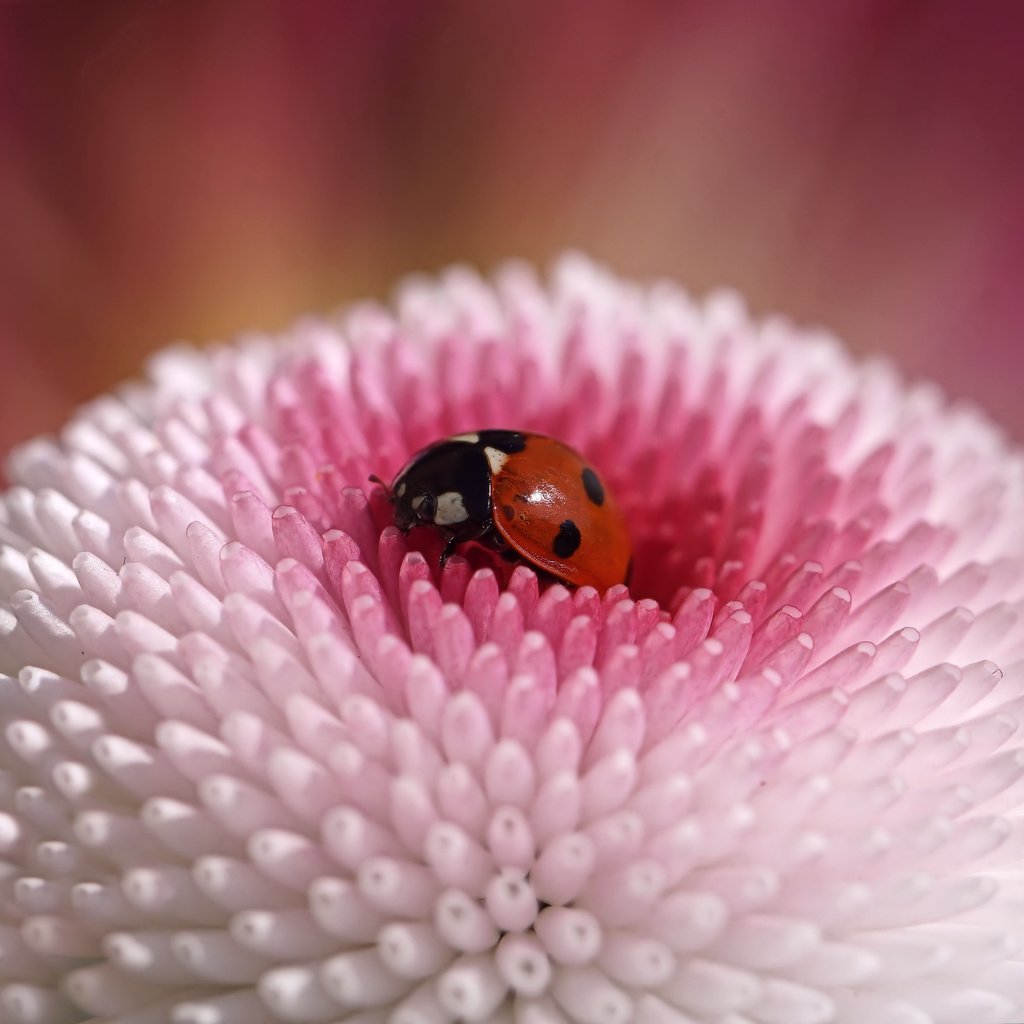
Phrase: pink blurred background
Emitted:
{"points": [[190, 168]]}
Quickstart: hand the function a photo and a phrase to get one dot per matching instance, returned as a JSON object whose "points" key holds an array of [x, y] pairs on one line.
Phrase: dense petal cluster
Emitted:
{"points": [[263, 762]]}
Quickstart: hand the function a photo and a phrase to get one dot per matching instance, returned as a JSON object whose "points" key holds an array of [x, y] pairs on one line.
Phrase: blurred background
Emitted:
{"points": [[185, 169]]}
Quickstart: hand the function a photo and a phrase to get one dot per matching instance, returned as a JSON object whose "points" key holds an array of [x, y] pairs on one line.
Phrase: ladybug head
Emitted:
{"points": [[413, 506]]}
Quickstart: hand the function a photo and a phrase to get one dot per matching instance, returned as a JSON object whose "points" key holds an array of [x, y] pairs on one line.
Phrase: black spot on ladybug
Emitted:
{"points": [[567, 540], [508, 441], [593, 486], [508, 512]]}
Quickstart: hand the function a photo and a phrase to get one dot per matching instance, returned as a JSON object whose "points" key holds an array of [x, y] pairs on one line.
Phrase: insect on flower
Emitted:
{"points": [[526, 496]]}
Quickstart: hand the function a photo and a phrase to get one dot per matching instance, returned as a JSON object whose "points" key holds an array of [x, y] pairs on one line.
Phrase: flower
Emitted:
{"points": [[262, 762]]}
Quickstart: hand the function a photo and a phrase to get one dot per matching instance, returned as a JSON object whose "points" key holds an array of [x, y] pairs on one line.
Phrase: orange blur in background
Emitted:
{"points": [[184, 170]]}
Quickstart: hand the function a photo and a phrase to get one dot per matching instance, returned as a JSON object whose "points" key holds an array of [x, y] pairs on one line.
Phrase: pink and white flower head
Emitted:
{"points": [[262, 762]]}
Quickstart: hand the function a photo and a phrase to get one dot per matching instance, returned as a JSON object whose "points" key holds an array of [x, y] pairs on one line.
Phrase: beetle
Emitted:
{"points": [[530, 497]]}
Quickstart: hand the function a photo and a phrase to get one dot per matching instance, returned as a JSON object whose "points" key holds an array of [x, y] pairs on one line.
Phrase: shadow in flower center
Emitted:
{"points": [[702, 537]]}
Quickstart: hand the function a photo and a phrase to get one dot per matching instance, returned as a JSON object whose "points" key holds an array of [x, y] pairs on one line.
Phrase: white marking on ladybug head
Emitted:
{"points": [[495, 458], [401, 489], [416, 502], [451, 509], [467, 438]]}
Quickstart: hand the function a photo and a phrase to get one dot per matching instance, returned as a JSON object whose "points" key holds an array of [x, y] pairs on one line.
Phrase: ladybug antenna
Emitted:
{"points": [[387, 490]]}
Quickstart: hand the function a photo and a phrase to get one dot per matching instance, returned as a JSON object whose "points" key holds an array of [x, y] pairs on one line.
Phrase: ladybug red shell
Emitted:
{"points": [[526, 495]]}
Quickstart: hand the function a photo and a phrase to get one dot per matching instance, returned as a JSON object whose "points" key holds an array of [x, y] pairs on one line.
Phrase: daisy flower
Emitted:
{"points": [[262, 761]]}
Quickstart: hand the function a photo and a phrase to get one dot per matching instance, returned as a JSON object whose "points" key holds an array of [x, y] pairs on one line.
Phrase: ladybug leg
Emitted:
{"points": [[449, 549], [498, 544]]}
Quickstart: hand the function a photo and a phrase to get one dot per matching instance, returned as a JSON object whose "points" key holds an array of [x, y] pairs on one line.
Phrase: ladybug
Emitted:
{"points": [[527, 496]]}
